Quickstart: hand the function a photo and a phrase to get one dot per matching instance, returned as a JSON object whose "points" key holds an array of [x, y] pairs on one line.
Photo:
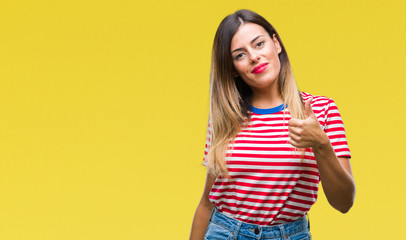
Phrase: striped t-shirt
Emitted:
{"points": [[270, 182]]}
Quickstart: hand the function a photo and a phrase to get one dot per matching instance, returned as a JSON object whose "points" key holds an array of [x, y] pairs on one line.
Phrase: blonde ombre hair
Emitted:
{"points": [[230, 97]]}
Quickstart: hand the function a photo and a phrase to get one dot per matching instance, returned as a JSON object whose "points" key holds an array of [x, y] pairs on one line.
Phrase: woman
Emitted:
{"points": [[268, 144]]}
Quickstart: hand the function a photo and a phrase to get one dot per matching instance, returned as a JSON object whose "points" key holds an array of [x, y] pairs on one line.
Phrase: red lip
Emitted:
{"points": [[260, 68]]}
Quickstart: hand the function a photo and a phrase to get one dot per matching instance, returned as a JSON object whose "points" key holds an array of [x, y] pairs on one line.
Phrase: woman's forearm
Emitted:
{"points": [[200, 221], [337, 181]]}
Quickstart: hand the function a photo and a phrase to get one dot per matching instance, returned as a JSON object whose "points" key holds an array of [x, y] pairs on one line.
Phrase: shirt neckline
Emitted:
{"points": [[267, 110]]}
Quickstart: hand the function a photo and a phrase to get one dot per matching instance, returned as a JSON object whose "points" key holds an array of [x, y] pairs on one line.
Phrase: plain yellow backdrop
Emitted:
{"points": [[104, 106]]}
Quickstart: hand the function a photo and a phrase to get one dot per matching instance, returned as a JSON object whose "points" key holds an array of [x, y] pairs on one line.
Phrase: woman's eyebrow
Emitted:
{"points": [[253, 40]]}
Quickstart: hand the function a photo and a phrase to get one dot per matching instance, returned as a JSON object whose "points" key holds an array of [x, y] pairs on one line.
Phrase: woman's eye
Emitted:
{"points": [[239, 56], [260, 44]]}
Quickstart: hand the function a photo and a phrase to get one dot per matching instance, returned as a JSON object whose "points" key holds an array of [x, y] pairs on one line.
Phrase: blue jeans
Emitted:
{"points": [[222, 227]]}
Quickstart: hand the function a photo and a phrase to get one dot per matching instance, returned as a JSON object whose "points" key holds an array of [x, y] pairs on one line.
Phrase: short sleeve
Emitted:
{"points": [[208, 142], [335, 131]]}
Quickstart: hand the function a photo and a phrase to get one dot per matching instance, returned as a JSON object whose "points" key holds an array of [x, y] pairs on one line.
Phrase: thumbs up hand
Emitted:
{"points": [[305, 133]]}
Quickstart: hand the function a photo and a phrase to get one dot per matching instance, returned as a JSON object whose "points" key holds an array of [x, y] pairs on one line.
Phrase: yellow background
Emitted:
{"points": [[104, 107]]}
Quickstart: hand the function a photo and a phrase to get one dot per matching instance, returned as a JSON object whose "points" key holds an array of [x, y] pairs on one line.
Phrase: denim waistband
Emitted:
{"points": [[259, 231]]}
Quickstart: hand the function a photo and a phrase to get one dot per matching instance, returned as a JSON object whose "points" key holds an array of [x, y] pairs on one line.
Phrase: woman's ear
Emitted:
{"points": [[277, 44]]}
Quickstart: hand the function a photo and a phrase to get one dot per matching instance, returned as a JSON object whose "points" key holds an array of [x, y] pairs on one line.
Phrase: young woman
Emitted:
{"points": [[268, 144]]}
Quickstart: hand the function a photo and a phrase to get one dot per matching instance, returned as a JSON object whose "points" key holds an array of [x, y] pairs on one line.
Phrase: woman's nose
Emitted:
{"points": [[254, 57]]}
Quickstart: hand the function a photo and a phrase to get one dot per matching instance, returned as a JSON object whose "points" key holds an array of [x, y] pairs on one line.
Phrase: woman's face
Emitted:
{"points": [[255, 56]]}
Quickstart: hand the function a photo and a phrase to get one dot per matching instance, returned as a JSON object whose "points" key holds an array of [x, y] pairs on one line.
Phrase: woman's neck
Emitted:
{"points": [[266, 98]]}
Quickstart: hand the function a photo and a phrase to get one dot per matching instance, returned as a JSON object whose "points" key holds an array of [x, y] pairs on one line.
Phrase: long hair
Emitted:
{"points": [[230, 97]]}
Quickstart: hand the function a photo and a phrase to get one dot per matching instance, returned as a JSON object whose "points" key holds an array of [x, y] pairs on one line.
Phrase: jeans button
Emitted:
{"points": [[256, 231]]}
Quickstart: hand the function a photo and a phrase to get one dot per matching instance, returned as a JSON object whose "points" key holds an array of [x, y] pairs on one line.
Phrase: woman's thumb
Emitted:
{"points": [[308, 108]]}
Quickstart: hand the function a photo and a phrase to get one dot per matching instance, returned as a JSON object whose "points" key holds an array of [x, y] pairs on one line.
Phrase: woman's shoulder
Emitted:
{"points": [[317, 99]]}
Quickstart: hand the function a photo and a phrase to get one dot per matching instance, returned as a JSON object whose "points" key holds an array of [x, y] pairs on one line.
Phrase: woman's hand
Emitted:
{"points": [[307, 133]]}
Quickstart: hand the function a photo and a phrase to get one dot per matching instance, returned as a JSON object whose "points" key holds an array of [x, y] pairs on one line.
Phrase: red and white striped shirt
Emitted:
{"points": [[270, 181]]}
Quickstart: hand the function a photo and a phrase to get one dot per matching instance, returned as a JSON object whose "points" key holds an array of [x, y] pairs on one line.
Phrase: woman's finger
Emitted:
{"points": [[294, 137], [293, 143], [295, 122], [295, 130]]}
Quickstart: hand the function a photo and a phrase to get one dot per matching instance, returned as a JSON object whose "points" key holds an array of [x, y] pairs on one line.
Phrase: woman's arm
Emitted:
{"points": [[202, 214], [337, 180], [335, 173]]}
